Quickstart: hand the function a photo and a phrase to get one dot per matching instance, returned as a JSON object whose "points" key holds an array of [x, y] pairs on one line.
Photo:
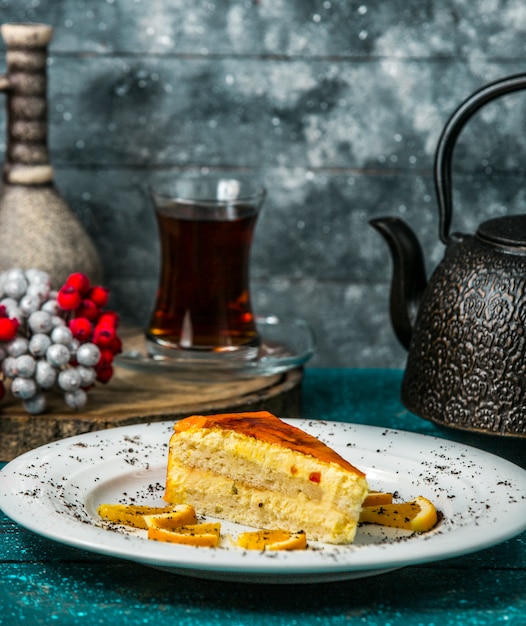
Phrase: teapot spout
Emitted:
{"points": [[409, 276]]}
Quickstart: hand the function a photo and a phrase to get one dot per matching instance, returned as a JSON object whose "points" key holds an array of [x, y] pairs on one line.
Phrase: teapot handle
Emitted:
{"points": [[446, 143]]}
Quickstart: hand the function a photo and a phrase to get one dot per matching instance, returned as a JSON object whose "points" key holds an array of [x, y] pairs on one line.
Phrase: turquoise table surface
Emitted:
{"points": [[47, 583]]}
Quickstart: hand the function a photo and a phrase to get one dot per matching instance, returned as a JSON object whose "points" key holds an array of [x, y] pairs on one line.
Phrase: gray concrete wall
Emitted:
{"points": [[335, 105]]}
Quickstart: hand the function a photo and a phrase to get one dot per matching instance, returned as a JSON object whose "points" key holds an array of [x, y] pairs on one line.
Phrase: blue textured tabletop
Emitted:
{"points": [[48, 583]]}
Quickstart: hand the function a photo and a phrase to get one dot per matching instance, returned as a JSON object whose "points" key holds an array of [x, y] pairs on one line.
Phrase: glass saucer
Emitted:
{"points": [[284, 346]]}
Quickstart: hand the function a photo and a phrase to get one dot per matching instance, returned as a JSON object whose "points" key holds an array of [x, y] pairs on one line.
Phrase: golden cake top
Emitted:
{"points": [[267, 427]]}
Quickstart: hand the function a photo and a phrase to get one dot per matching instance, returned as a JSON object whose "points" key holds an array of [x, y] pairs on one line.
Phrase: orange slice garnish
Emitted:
{"points": [[133, 514], [272, 540], [179, 515], [374, 498], [165, 528], [418, 515]]}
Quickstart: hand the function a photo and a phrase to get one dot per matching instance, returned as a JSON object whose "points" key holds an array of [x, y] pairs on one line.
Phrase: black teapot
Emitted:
{"points": [[465, 328]]}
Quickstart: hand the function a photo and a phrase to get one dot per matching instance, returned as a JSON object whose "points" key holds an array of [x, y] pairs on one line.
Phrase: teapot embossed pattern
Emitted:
{"points": [[465, 327]]}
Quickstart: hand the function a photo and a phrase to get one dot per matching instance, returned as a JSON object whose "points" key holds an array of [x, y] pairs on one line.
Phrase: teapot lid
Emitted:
{"points": [[505, 231]]}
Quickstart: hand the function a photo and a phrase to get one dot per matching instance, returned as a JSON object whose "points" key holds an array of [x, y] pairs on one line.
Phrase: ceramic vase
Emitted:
{"points": [[37, 228]]}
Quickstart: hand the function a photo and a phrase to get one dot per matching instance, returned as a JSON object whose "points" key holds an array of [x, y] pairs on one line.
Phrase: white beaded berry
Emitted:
{"points": [[15, 287], [45, 375], [36, 404], [35, 276], [40, 322], [76, 399], [29, 304], [88, 354], [25, 365], [61, 334], [18, 346], [69, 379], [9, 366], [87, 375], [23, 388], [57, 355], [39, 343], [51, 307], [38, 290]]}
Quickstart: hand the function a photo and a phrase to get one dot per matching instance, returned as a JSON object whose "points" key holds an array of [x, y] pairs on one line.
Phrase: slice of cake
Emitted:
{"points": [[254, 469]]}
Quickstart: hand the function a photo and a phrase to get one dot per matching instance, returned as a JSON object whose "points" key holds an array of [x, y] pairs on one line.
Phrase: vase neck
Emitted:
{"points": [[27, 158]]}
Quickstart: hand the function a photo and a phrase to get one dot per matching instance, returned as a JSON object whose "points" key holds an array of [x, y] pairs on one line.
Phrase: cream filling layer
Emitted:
{"points": [[262, 485]]}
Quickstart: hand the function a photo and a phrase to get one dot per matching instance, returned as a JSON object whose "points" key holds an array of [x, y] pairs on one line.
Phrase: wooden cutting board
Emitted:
{"points": [[131, 398]]}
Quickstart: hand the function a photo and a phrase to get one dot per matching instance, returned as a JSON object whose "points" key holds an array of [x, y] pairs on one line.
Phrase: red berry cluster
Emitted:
{"points": [[8, 326], [88, 321]]}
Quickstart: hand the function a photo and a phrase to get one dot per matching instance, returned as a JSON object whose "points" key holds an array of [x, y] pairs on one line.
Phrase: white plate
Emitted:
{"points": [[54, 491]]}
